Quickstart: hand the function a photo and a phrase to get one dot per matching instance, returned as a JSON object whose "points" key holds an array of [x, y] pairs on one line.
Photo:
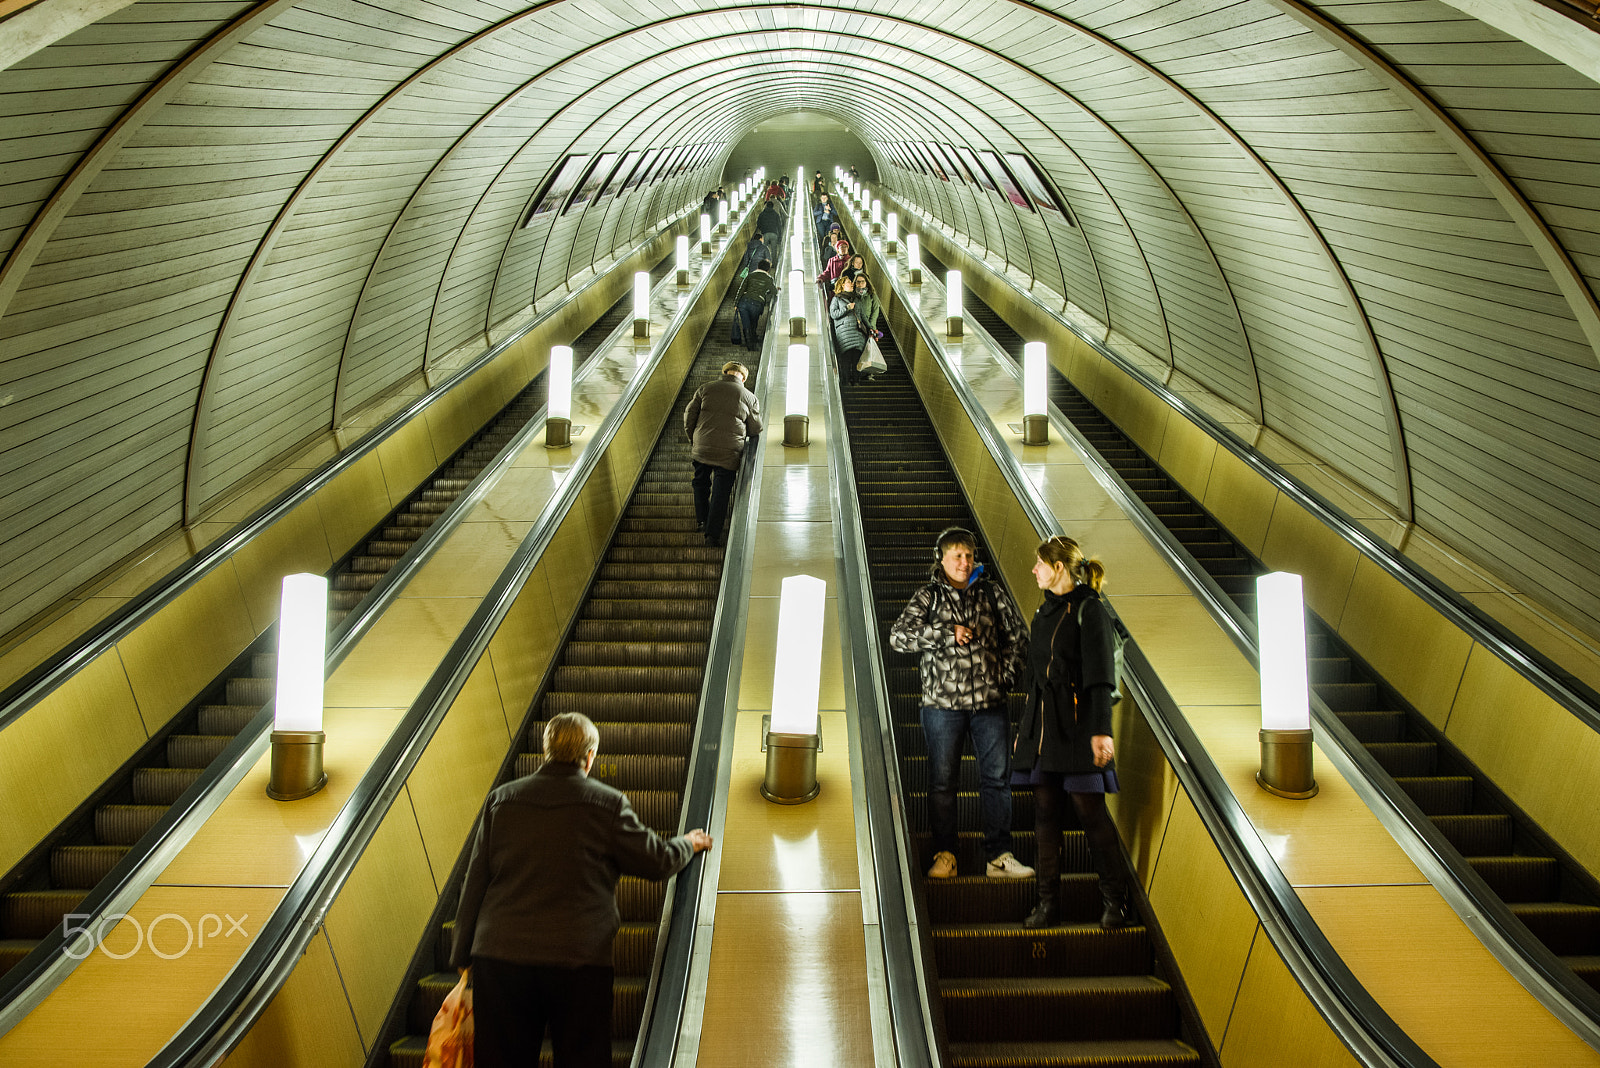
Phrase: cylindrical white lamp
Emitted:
{"points": [[796, 248], [297, 737], [641, 304], [913, 260], [722, 216], [891, 235], [952, 303], [558, 409], [792, 738], [796, 398], [1035, 401], [877, 216], [680, 259], [797, 303], [1285, 699], [705, 234]]}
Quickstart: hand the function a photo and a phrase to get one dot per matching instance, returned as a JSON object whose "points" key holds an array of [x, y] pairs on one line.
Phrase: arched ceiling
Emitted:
{"points": [[224, 227]]}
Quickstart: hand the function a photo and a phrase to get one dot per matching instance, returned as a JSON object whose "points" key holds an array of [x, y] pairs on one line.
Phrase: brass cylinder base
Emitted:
{"points": [[797, 326], [1036, 430], [791, 769], [796, 431], [296, 765], [877, 229], [683, 277], [952, 325], [892, 248], [915, 278], [705, 248], [1286, 764], [641, 328], [557, 433]]}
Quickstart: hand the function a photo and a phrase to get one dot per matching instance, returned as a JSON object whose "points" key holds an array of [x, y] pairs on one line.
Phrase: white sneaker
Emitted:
{"points": [[1006, 866], [944, 865]]}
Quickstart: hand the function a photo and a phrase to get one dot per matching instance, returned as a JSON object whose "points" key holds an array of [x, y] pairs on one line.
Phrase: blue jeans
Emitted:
{"points": [[944, 729], [748, 324]]}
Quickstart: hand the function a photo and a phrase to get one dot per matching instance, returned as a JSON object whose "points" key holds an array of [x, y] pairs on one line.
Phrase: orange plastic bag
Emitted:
{"points": [[450, 1038]]}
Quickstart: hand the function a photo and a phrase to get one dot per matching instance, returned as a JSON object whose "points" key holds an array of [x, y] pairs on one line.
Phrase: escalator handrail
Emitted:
{"points": [[1534, 964], [44, 678], [666, 998], [1577, 697], [239, 999], [32, 979], [907, 942], [1353, 1014]]}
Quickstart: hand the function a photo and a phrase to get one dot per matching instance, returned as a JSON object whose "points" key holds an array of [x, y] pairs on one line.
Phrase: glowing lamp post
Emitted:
{"points": [[796, 398], [891, 235], [797, 303], [1035, 417], [705, 234], [877, 216], [792, 737], [1285, 703], [297, 737], [558, 409], [722, 217], [952, 304], [680, 259], [913, 260], [796, 247], [641, 304]]}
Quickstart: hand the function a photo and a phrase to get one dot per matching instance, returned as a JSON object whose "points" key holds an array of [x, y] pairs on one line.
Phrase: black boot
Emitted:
{"points": [[1113, 892], [1047, 877]]}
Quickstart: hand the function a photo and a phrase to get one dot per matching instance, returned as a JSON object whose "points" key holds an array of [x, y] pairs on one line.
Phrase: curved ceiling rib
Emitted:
{"points": [[1535, 230]]}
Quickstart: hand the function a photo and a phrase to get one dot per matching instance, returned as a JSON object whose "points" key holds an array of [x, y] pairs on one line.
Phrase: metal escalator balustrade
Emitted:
{"points": [[1074, 994], [1553, 897], [60, 875], [634, 662]]}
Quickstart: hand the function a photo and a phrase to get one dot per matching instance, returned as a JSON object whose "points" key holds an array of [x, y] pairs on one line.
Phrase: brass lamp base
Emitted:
{"points": [[952, 325], [1286, 764], [683, 276], [557, 433], [915, 278], [705, 248], [796, 431], [892, 247], [791, 766], [1036, 430], [641, 328], [797, 326], [296, 765]]}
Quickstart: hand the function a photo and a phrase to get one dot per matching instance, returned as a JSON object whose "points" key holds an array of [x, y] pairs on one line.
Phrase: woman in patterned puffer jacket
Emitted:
{"points": [[973, 643]]}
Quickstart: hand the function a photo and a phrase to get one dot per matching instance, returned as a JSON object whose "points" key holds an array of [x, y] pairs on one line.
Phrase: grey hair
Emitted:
{"points": [[569, 738]]}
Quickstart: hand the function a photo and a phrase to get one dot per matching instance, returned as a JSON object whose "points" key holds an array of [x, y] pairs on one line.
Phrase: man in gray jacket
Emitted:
{"points": [[538, 912], [720, 418]]}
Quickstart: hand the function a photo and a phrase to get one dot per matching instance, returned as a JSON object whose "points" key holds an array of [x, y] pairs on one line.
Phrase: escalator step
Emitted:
{"points": [[125, 824], [410, 1051], [195, 750], [634, 654], [226, 719], [1348, 696], [1031, 1010], [162, 786], [971, 856], [12, 950], [642, 630], [80, 867], [1439, 795], [972, 900], [625, 707], [1586, 968], [619, 679], [671, 739], [32, 914], [1405, 758], [640, 899], [1328, 669], [626, 772], [996, 950], [600, 608], [1477, 835], [1375, 726], [1113, 1053], [1520, 879], [1569, 930], [252, 691]]}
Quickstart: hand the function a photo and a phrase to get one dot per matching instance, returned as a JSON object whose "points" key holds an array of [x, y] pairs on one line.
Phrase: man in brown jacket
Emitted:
{"points": [[721, 417]]}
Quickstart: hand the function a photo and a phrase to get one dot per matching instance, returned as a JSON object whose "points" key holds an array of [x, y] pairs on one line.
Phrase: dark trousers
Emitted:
{"points": [[847, 363], [512, 1004], [1050, 804], [748, 327], [712, 487], [944, 729]]}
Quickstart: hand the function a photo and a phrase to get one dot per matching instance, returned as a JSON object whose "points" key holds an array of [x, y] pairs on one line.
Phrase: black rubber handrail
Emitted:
{"points": [[1560, 685], [43, 679], [1353, 1014], [238, 1001]]}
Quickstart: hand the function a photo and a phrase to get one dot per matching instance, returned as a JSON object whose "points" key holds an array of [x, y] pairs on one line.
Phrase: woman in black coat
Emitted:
{"points": [[1064, 745]]}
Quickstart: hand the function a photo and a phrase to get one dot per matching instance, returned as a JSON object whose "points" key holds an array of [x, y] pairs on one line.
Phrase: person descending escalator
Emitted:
{"points": [[1063, 744], [869, 309], [849, 332], [972, 644]]}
